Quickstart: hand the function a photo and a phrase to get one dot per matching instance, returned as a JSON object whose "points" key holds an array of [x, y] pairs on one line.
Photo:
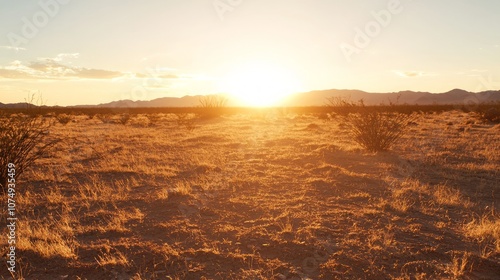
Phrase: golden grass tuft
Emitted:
{"points": [[114, 259], [445, 195], [486, 230], [49, 239]]}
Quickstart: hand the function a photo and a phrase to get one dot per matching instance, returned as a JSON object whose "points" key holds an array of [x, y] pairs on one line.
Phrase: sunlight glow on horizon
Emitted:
{"points": [[258, 52], [260, 84]]}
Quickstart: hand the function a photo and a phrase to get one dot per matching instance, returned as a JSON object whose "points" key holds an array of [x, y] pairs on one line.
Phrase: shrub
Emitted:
{"points": [[63, 119], [342, 107], [90, 115], [153, 119], [485, 112], [23, 140], [212, 105], [186, 121], [105, 118], [124, 119], [372, 128], [490, 115]]}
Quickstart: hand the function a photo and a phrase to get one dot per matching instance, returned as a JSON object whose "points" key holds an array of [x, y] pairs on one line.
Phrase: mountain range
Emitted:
{"points": [[319, 98]]}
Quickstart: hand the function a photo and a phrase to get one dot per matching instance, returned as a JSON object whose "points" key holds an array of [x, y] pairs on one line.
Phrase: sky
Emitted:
{"points": [[93, 51]]}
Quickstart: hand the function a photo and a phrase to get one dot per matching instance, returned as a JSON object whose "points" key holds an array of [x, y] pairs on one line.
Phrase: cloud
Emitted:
{"points": [[57, 68], [98, 74], [64, 55], [169, 76], [413, 74], [51, 68], [13, 74], [12, 48], [60, 57]]}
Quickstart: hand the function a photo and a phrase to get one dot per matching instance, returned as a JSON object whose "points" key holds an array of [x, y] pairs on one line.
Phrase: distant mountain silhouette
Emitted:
{"points": [[22, 105], [186, 101], [318, 98], [455, 96]]}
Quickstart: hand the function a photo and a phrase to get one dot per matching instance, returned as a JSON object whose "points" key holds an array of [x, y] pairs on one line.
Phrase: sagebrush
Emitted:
{"points": [[23, 140], [373, 128]]}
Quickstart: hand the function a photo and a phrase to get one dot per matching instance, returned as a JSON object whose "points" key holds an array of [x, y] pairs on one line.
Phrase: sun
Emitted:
{"points": [[260, 84]]}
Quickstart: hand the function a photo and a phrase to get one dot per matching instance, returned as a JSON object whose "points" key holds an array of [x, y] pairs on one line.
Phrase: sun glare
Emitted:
{"points": [[260, 84]]}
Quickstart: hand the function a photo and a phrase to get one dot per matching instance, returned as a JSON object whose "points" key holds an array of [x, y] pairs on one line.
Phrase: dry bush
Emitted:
{"points": [[212, 105], [124, 119], [63, 119], [342, 107], [105, 118], [373, 128], [23, 140], [490, 115], [90, 115], [486, 112], [153, 119], [186, 120]]}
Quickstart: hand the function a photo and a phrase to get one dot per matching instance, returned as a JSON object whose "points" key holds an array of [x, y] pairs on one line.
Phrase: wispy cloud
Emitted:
{"points": [[11, 48], [61, 67], [413, 74], [51, 68], [61, 57]]}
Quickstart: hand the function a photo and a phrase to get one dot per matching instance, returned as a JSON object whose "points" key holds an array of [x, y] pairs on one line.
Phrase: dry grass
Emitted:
{"points": [[267, 195], [486, 230], [114, 259]]}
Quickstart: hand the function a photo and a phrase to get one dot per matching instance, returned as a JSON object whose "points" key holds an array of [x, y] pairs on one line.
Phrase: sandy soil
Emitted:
{"points": [[261, 196]]}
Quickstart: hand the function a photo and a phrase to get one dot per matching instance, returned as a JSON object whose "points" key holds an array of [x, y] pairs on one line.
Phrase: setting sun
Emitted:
{"points": [[260, 84]]}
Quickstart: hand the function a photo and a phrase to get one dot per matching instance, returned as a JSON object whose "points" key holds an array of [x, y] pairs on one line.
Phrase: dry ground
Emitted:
{"points": [[262, 196]]}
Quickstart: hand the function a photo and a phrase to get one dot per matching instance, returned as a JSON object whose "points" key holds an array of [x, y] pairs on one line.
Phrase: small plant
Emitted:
{"points": [[486, 230], [373, 128], [186, 121], [90, 115], [23, 140], [459, 265], [212, 105], [342, 107], [153, 119], [124, 119], [64, 119], [105, 118], [490, 115]]}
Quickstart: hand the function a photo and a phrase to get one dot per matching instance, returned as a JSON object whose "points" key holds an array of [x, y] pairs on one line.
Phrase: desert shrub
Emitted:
{"points": [[342, 107], [486, 112], [186, 120], [90, 115], [373, 128], [153, 119], [212, 105], [105, 118], [63, 119], [124, 119], [323, 116], [23, 140], [490, 115]]}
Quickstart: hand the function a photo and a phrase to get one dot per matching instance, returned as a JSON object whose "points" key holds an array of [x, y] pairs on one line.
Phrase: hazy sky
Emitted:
{"points": [[95, 51]]}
